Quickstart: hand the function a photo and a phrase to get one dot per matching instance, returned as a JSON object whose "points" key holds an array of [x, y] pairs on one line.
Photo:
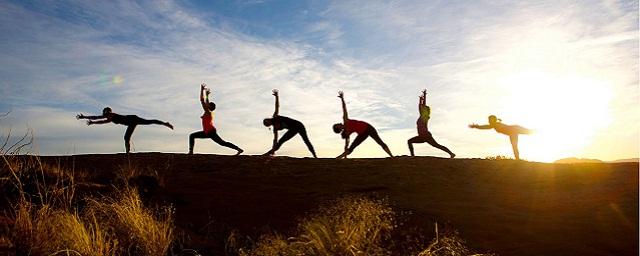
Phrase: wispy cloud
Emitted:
{"points": [[61, 57]]}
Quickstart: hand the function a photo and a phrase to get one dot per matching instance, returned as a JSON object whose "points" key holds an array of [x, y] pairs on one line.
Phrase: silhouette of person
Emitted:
{"points": [[363, 129], [131, 121], [510, 130], [282, 122], [208, 129], [423, 130]]}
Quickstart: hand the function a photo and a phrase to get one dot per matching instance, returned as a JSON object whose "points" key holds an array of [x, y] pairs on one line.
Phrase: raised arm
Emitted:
{"points": [[277, 108], [204, 98], [345, 114]]}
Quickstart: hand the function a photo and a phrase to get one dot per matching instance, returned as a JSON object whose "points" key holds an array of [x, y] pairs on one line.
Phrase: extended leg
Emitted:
{"points": [[514, 146], [192, 139], [214, 136], [435, 144], [306, 140], [356, 142], [153, 121], [285, 137], [374, 134], [127, 137], [416, 139]]}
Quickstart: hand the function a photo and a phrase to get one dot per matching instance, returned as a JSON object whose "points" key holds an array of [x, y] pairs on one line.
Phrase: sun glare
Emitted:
{"points": [[565, 111]]}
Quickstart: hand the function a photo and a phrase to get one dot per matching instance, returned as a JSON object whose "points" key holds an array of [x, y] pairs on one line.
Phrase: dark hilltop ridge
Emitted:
{"points": [[506, 207]]}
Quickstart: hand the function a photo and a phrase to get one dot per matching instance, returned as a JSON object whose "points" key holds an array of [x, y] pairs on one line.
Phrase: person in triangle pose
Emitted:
{"points": [[363, 129], [131, 121], [292, 126], [209, 131], [510, 130], [423, 129]]}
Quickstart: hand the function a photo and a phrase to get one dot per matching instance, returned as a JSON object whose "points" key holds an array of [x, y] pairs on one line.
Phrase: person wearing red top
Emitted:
{"points": [[208, 129], [423, 129], [363, 129], [131, 121]]}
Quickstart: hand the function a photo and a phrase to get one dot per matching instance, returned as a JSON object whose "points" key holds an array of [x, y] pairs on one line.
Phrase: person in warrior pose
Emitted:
{"points": [[510, 130], [208, 129], [282, 122], [131, 121], [363, 129], [423, 130]]}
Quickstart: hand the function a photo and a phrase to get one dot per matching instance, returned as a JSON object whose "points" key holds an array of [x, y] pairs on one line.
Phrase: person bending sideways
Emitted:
{"points": [[208, 129], [423, 129], [510, 130], [131, 121], [292, 126], [363, 129]]}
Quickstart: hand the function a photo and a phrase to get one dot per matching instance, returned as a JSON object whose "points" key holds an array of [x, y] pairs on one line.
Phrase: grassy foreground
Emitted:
{"points": [[51, 209]]}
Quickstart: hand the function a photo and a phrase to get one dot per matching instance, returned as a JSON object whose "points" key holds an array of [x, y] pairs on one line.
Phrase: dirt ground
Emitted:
{"points": [[503, 206]]}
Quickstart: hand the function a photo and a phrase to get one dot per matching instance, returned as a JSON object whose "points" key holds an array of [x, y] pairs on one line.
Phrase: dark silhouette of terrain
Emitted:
{"points": [[504, 206]]}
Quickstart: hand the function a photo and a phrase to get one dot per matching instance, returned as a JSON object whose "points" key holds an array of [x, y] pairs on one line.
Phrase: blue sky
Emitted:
{"points": [[566, 68]]}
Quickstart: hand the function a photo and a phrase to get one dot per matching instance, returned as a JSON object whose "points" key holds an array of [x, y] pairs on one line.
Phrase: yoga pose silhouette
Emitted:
{"points": [[423, 130], [363, 129], [208, 129], [510, 130], [282, 122], [131, 121]]}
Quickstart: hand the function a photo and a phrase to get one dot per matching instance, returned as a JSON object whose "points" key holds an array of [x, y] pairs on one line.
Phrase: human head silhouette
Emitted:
{"points": [[106, 111], [212, 106], [337, 128], [493, 119], [267, 122]]}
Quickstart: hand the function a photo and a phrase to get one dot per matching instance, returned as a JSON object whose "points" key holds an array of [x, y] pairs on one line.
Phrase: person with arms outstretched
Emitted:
{"points": [[282, 122], [363, 129], [131, 121], [510, 130], [423, 129], [208, 129]]}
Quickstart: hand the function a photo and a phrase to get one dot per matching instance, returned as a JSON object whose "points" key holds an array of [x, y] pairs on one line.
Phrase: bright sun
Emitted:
{"points": [[565, 112]]}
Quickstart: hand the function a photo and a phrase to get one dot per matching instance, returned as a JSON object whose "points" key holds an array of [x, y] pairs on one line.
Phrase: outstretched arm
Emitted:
{"points": [[98, 122], [277, 109], [345, 114], [482, 127], [81, 116]]}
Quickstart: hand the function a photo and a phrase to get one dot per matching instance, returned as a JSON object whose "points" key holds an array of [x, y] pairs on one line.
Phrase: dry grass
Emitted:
{"points": [[351, 226], [48, 219]]}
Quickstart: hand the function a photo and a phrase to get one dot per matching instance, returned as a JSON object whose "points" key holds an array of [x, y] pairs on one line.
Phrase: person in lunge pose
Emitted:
{"points": [[282, 122], [208, 129], [510, 130], [131, 121], [363, 129], [423, 129]]}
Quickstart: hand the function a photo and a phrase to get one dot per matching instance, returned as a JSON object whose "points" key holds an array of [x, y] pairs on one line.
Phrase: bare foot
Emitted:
{"points": [[167, 124], [452, 155], [239, 152]]}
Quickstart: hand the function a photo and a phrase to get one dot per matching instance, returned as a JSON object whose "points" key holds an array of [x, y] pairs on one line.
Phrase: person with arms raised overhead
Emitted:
{"points": [[510, 130], [363, 129], [131, 121], [208, 129], [282, 122], [423, 129]]}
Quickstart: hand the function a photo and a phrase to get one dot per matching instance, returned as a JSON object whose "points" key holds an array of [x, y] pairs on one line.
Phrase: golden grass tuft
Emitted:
{"points": [[351, 226], [49, 220], [141, 230]]}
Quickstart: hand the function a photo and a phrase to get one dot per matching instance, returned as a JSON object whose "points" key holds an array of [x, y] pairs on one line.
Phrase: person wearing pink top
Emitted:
{"points": [[363, 129], [208, 129]]}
